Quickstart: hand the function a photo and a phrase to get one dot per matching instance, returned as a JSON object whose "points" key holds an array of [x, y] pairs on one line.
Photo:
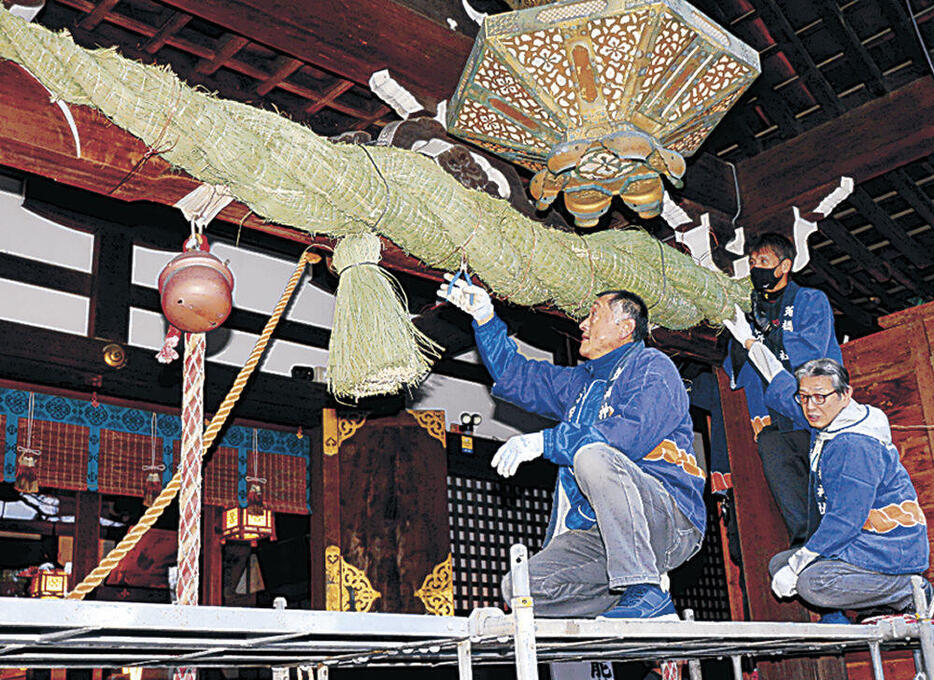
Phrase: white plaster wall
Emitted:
{"points": [[35, 306], [35, 238], [28, 235]]}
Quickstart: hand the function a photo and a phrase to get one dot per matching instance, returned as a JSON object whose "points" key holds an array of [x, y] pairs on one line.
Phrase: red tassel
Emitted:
{"points": [[254, 495], [167, 354], [27, 471]]}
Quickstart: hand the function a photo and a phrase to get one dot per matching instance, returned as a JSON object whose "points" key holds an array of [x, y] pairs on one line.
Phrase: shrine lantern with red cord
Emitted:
{"points": [[196, 290]]}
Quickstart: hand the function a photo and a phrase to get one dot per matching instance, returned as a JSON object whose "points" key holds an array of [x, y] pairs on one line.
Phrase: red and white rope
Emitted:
{"points": [[189, 504]]}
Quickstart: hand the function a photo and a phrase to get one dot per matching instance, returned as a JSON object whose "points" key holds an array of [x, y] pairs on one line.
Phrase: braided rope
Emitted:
{"points": [[189, 502], [113, 558]]}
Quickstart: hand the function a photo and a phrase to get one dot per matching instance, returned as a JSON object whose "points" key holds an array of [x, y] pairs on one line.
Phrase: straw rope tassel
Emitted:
{"points": [[113, 558]]}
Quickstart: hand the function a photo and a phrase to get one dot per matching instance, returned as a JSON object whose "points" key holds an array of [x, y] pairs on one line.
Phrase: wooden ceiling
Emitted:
{"points": [[845, 89]]}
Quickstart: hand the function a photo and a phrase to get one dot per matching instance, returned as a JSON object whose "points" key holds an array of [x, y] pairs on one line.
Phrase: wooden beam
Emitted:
{"points": [[885, 225], [227, 47], [110, 291], [92, 20], [37, 355], [772, 14], [351, 38], [284, 67], [878, 268], [37, 273], [175, 23], [851, 44], [912, 194], [863, 143], [328, 96]]}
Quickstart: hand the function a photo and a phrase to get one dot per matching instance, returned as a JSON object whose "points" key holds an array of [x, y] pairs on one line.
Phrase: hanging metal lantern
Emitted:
{"points": [[197, 291], [600, 98]]}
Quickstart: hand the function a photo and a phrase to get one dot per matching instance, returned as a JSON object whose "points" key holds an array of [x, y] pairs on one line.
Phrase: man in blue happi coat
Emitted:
{"points": [[628, 504], [871, 533], [796, 325]]}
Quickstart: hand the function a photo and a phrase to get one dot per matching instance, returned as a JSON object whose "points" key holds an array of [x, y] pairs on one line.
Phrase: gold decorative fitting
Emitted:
{"points": [[433, 422], [437, 591], [114, 355], [347, 588], [335, 431]]}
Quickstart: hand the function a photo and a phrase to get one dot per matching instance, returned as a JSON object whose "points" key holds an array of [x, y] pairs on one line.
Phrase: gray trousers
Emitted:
{"points": [[640, 534], [835, 584]]}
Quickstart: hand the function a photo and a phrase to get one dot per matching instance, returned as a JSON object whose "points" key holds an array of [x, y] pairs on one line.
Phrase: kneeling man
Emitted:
{"points": [[872, 534], [628, 505]]}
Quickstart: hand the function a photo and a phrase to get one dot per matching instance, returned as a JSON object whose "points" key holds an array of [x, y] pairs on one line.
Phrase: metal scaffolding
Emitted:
{"points": [[76, 634]]}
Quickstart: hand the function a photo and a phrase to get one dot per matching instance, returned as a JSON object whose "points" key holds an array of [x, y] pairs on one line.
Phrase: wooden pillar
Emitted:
{"points": [[212, 563], [762, 532], [326, 502], [86, 551]]}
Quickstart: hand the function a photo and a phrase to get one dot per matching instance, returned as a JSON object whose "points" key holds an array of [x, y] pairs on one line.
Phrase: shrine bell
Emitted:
{"points": [[196, 290]]}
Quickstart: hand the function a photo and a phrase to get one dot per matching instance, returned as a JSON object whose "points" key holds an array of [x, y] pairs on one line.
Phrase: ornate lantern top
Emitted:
{"points": [[600, 97]]}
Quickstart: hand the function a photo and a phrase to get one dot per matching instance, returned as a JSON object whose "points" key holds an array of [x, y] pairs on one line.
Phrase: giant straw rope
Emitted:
{"points": [[97, 576], [287, 174]]}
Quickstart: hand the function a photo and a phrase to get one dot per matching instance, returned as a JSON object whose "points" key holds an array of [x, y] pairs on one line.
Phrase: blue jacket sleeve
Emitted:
{"points": [[851, 471], [536, 386], [780, 396], [646, 414], [813, 334]]}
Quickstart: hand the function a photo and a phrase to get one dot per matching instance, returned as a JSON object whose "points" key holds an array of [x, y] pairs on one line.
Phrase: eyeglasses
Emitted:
{"points": [[817, 399]]}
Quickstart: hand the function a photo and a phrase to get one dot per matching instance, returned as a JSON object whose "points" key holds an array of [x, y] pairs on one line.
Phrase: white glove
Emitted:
{"points": [[785, 582], [467, 297], [763, 359], [518, 449], [760, 355], [802, 558], [739, 327]]}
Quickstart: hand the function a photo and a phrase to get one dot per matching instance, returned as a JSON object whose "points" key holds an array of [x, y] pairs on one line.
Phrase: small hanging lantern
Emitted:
{"points": [[27, 457], [242, 525], [48, 583], [152, 479], [196, 288], [600, 98], [254, 522]]}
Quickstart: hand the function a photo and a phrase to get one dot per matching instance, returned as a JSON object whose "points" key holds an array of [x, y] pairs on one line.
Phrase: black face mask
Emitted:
{"points": [[764, 279]]}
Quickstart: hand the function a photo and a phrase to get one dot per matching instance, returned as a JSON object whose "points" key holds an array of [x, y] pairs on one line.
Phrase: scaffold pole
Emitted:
{"points": [[523, 614], [926, 632]]}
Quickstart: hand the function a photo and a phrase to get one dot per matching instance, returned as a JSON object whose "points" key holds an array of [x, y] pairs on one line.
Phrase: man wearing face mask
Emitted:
{"points": [[628, 505], [796, 325]]}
